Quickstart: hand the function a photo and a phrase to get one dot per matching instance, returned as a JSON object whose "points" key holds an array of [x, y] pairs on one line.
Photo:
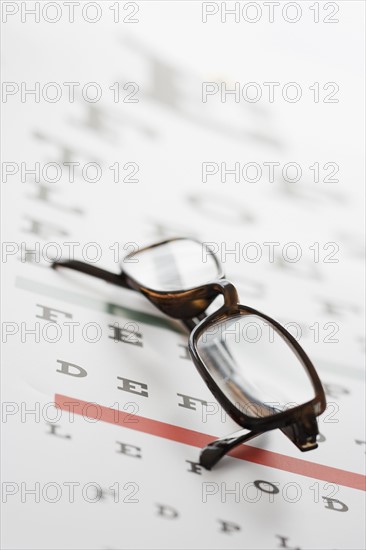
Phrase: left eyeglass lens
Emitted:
{"points": [[176, 265], [254, 365]]}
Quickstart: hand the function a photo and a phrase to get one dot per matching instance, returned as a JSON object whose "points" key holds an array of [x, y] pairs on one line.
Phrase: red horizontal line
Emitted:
{"points": [[198, 439]]}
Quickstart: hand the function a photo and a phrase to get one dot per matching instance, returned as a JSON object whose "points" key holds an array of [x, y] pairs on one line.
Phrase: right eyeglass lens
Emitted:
{"points": [[254, 366]]}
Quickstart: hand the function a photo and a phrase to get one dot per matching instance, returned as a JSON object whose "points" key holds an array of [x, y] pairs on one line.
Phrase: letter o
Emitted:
{"points": [[85, 171], [245, 493], [92, 418], [245, 332], [285, 255], [285, 493], [244, 92], [245, 168], [98, 492], [45, 492], [51, 259], [285, 95], [245, 9], [58, 92], [45, 15], [85, 333], [274, 490], [45, 175], [45, 332], [298, 334], [45, 415], [245, 255], [85, 252], [85, 92], [297, 15], [285, 170], [86, 16]]}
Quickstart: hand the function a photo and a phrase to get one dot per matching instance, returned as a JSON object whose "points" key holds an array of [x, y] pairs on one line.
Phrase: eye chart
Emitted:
{"points": [[237, 123]]}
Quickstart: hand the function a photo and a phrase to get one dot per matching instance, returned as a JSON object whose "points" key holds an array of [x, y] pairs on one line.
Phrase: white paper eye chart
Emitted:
{"points": [[239, 125]]}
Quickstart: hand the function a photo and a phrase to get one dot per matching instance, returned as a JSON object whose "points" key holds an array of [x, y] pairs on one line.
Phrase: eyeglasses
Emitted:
{"points": [[254, 367]]}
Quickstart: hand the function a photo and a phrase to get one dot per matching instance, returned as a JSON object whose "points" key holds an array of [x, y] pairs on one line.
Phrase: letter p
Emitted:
{"points": [[209, 169], [209, 8], [8, 329], [9, 488], [209, 488], [9, 8], [8, 169], [209, 88]]}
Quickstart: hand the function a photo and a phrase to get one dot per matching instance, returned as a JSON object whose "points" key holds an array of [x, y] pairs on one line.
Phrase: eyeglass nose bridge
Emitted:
{"points": [[227, 290]]}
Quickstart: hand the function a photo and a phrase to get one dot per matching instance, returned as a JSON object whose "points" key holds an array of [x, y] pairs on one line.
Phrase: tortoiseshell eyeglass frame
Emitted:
{"points": [[299, 423]]}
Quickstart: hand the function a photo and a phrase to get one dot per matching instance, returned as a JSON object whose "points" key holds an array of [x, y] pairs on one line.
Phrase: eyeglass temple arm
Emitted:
{"points": [[115, 278], [216, 450]]}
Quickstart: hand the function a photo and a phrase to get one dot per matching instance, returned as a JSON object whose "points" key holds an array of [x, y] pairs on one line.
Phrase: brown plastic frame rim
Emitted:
{"points": [[315, 406]]}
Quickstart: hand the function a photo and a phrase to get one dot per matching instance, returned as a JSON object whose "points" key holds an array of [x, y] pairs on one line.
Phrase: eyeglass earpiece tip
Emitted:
{"points": [[210, 456], [204, 461], [308, 445]]}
